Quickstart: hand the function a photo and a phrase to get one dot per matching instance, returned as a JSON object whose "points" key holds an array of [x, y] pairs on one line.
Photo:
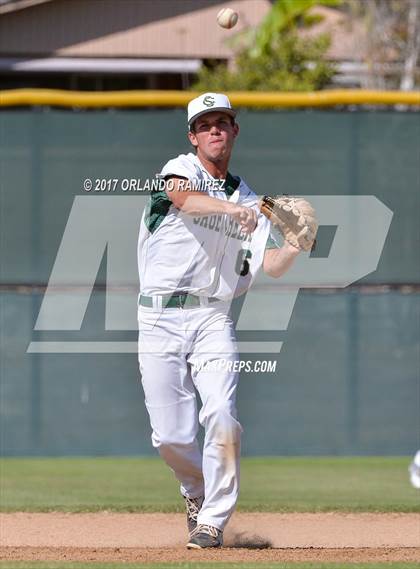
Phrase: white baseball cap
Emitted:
{"points": [[207, 103]]}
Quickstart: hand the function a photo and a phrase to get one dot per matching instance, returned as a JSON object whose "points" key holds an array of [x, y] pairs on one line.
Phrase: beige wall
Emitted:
{"points": [[130, 28]]}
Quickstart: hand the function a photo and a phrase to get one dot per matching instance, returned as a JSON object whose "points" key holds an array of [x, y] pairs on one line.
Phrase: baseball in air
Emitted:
{"points": [[227, 18]]}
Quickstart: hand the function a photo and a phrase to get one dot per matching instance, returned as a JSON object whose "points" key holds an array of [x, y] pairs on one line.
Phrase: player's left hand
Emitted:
{"points": [[294, 217]]}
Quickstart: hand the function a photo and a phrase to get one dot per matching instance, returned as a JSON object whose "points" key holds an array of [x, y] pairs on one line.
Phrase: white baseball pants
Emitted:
{"points": [[173, 344]]}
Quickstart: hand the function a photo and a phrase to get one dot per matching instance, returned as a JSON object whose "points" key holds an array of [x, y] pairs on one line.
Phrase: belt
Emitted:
{"points": [[177, 300]]}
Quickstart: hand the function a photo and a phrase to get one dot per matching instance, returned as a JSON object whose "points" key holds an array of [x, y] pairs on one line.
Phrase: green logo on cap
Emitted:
{"points": [[208, 101]]}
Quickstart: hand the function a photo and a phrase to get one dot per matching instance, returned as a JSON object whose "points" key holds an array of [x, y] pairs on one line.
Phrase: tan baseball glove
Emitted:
{"points": [[294, 217]]}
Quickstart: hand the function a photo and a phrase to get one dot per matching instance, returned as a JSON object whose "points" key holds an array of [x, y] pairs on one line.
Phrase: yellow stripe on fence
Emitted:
{"points": [[90, 99]]}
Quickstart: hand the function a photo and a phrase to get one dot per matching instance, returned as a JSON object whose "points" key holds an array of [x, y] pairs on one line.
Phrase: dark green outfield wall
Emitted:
{"points": [[347, 378], [46, 155]]}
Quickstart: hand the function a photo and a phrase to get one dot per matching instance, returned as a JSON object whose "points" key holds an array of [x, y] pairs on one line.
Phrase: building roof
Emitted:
{"points": [[13, 5], [151, 29], [125, 28], [348, 35]]}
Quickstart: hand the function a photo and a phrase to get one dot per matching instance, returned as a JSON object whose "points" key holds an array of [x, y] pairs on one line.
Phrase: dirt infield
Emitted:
{"points": [[249, 537]]}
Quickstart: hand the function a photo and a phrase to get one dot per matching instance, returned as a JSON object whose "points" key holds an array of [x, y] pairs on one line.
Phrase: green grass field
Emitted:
{"points": [[268, 484]]}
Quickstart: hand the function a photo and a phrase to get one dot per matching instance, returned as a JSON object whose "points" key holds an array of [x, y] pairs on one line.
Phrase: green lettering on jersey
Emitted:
{"points": [[234, 231], [212, 221]]}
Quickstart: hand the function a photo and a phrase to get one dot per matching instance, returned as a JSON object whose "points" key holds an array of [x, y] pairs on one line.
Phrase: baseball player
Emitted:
{"points": [[202, 240]]}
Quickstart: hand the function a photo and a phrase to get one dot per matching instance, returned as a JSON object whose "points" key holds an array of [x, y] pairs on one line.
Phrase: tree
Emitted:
{"points": [[274, 57], [412, 47], [393, 41]]}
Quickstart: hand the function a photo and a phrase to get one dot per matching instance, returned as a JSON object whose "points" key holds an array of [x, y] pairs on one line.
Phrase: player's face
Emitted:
{"points": [[213, 136]]}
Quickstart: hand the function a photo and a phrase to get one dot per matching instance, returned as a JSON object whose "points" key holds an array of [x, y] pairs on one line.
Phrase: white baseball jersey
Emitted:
{"points": [[208, 255]]}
